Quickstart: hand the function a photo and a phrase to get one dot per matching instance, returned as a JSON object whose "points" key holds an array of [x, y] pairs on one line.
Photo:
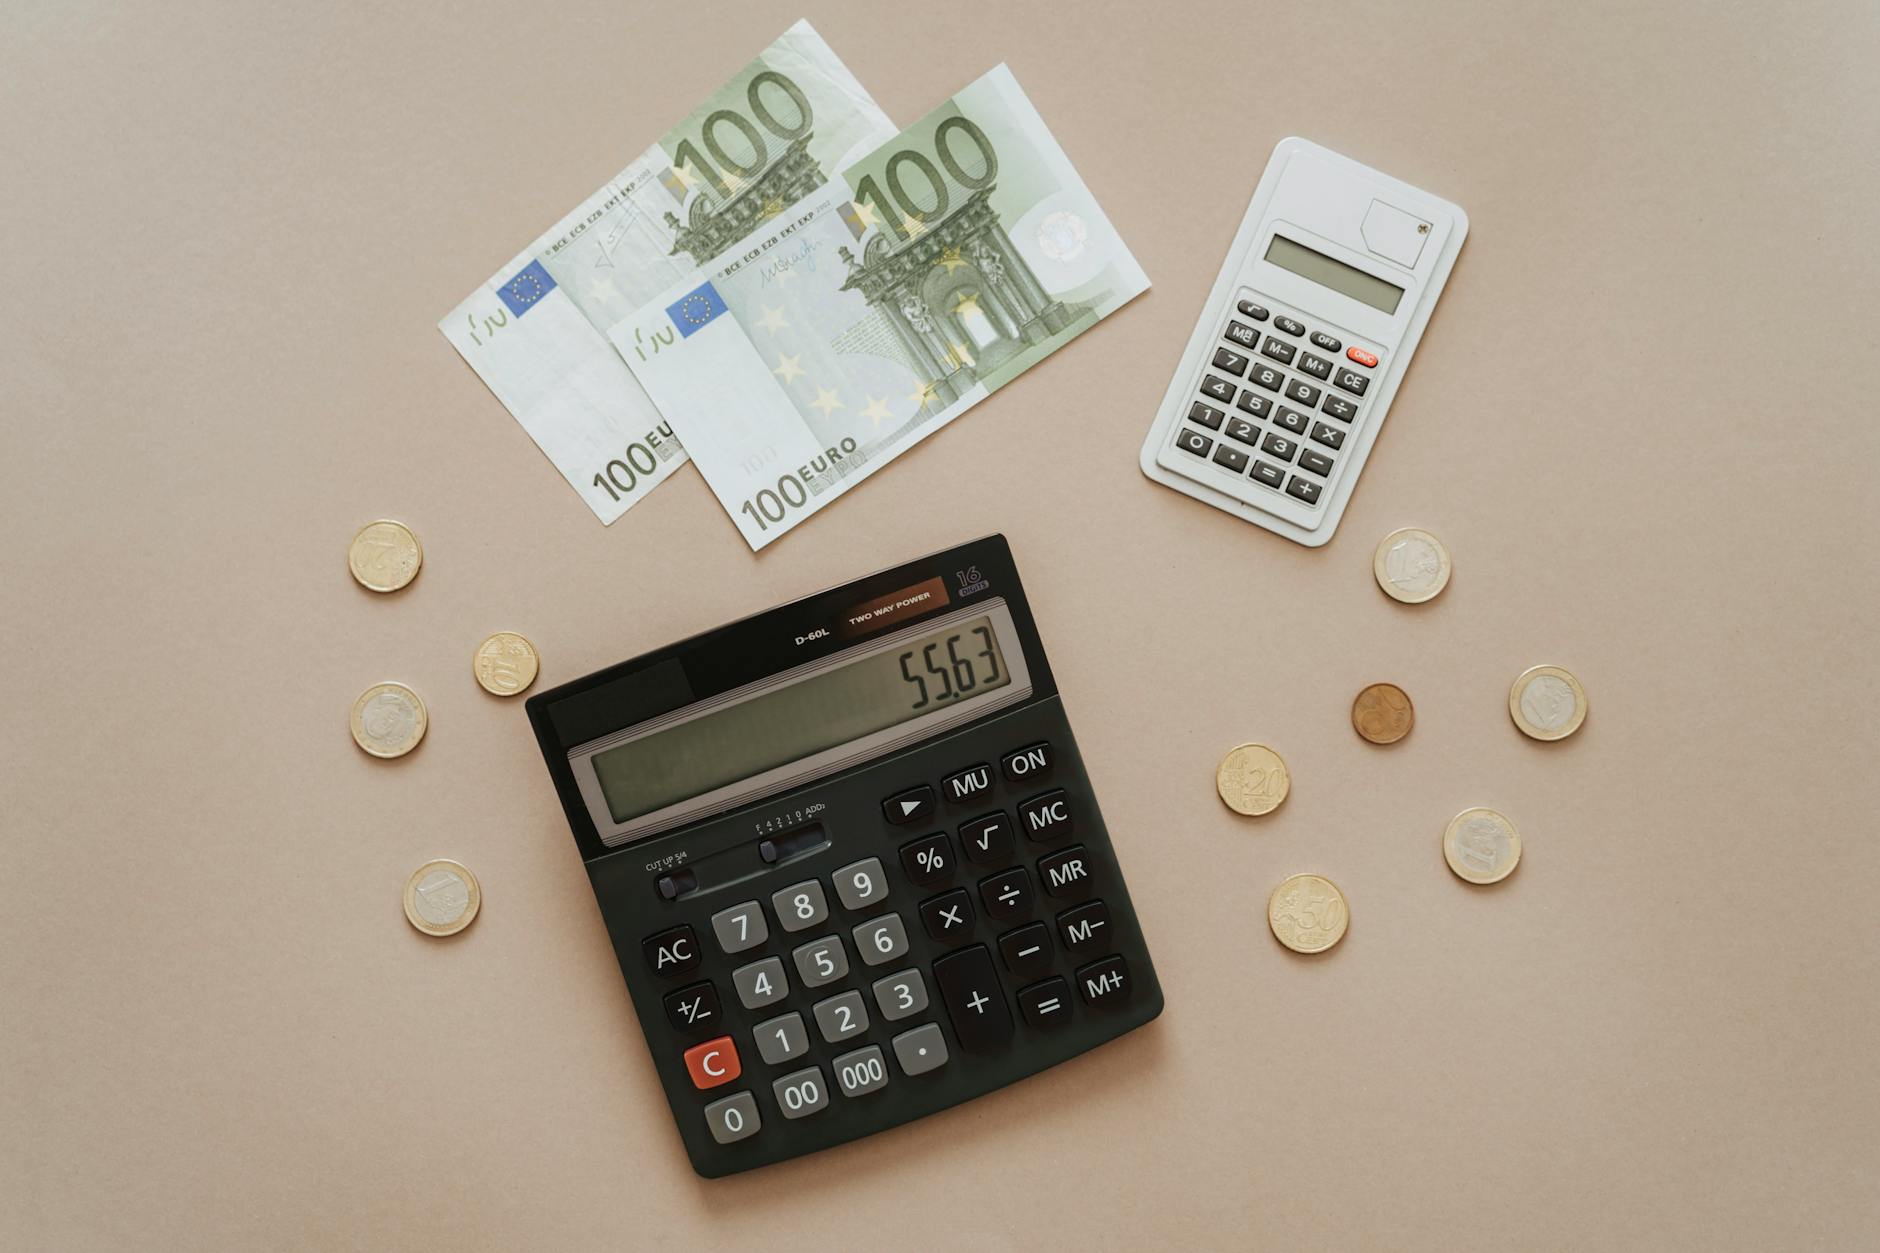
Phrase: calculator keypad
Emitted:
{"points": [[1265, 444], [858, 1022]]}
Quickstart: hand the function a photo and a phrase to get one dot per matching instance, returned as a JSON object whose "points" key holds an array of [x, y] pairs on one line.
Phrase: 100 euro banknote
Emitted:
{"points": [[933, 271], [535, 331]]}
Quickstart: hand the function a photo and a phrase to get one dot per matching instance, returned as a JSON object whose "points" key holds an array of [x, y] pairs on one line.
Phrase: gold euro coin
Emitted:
{"points": [[506, 664], [1308, 913], [1382, 713], [1252, 779], [1481, 846], [1547, 703], [385, 555], [388, 720], [442, 897], [1411, 565]]}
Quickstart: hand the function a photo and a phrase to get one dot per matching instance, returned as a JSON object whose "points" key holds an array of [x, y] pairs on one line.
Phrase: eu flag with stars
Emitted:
{"points": [[526, 287], [695, 309]]}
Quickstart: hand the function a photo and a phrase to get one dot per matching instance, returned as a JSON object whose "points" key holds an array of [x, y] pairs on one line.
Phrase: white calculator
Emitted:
{"points": [[1303, 341]]}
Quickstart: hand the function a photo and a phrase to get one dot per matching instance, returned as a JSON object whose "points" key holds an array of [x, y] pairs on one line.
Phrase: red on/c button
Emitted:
{"points": [[713, 1062], [1361, 356]]}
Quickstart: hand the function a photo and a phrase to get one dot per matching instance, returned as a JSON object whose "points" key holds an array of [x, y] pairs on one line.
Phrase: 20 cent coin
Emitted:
{"points": [[1411, 565], [1308, 913], [1481, 846], [506, 664], [385, 555], [442, 897], [1382, 713], [1252, 779], [1547, 703], [388, 720]]}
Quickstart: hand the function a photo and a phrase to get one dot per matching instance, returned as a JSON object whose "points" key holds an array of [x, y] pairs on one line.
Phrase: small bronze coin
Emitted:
{"points": [[1382, 713]]}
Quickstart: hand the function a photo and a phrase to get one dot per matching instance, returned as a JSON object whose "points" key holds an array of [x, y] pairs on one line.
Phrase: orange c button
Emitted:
{"points": [[713, 1062]]}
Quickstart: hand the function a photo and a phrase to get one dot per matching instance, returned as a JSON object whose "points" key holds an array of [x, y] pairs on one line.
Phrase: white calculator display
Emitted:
{"points": [[1303, 341]]}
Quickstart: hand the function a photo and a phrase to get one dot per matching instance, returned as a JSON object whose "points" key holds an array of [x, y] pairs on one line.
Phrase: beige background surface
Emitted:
{"points": [[1642, 418]]}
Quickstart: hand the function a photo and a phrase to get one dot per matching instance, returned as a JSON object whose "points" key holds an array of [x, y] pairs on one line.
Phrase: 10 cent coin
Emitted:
{"points": [[388, 720], [442, 897], [1308, 913], [1547, 702], [385, 555], [1481, 846], [1411, 565], [1382, 713], [506, 663], [1252, 779]]}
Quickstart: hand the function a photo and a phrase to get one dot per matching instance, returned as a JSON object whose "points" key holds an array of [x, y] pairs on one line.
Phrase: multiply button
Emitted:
{"points": [[948, 916], [1027, 762], [671, 952], [1046, 817], [987, 839], [910, 806], [1066, 874], [969, 784], [713, 1062], [1104, 982], [969, 987]]}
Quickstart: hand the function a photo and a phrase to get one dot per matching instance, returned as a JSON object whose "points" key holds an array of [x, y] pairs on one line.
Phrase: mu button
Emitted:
{"points": [[713, 1062]]}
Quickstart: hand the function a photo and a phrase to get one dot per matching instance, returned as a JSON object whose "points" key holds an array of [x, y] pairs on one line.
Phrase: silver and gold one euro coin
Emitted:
{"points": [[442, 897], [1547, 703], [1481, 846], [1308, 914], [384, 555], [388, 720], [506, 663], [1411, 565]]}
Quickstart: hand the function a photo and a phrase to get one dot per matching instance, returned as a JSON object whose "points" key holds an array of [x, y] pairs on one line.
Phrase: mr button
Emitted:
{"points": [[671, 952], [1066, 874]]}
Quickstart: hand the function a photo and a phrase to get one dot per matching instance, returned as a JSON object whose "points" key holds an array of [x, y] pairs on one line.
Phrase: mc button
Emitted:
{"points": [[1026, 763], [1046, 817]]}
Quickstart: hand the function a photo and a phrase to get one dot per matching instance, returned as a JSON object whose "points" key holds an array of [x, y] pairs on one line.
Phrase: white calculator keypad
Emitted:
{"points": [[1276, 401]]}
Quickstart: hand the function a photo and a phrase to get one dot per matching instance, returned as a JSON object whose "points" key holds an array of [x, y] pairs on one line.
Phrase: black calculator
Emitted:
{"points": [[851, 863]]}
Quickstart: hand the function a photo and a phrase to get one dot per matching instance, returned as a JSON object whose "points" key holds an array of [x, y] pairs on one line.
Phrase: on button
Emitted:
{"points": [[1032, 760]]}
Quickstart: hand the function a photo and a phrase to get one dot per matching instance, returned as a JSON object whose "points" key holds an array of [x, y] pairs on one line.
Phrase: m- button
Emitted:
{"points": [[1027, 762]]}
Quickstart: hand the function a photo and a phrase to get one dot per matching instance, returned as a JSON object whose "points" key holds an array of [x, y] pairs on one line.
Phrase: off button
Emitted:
{"points": [[1026, 763]]}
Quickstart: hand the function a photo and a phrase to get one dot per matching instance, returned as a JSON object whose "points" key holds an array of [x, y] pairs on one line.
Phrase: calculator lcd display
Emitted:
{"points": [[820, 711], [1347, 280]]}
